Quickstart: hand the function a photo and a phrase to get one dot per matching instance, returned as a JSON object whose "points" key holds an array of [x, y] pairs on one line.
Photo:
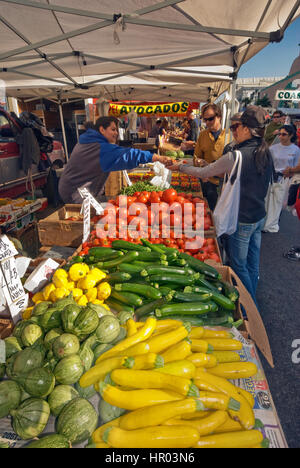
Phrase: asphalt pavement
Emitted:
{"points": [[278, 297]]}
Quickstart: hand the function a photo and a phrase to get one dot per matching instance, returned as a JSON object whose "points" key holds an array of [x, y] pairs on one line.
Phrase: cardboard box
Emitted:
{"points": [[56, 230], [41, 275], [253, 326], [6, 327]]}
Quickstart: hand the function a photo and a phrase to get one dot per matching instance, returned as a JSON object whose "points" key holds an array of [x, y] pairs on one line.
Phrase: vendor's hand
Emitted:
{"points": [[163, 160], [174, 167], [187, 145], [199, 162]]}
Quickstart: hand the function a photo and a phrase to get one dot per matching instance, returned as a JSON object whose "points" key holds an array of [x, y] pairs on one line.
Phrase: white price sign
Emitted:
{"points": [[86, 206], [7, 248], [88, 200], [11, 286], [11, 277]]}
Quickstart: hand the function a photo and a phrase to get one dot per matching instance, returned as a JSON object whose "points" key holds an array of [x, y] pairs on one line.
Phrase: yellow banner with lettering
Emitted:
{"points": [[170, 109]]}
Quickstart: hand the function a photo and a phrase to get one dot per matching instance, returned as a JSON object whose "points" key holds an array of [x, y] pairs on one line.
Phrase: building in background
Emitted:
{"points": [[249, 89], [291, 86]]}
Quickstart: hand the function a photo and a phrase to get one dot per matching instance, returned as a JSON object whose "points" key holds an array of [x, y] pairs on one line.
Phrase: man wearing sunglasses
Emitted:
{"points": [[273, 128], [209, 148]]}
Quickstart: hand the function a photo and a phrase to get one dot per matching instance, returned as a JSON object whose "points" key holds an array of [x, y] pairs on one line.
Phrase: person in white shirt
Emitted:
{"points": [[286, 153]]}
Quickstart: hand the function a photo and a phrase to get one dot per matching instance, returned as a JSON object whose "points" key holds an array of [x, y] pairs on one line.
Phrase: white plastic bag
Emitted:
{"points": [[276, 196], [226, 212], [163, 176]]}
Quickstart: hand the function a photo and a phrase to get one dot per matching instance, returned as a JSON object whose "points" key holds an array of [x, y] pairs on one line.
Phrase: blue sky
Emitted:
{"points": [[277, 58]]}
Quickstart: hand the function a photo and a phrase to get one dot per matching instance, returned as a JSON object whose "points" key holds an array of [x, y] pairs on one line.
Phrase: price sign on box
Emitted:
{"points": [[88, 201], [11, 285], [7, 248]]}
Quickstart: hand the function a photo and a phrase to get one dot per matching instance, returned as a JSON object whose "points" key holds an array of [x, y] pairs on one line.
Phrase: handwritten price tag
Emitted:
{"points": [[88, 200], [10, 284], [16, 308], [13, 282], [86, 219], [7, 248]]}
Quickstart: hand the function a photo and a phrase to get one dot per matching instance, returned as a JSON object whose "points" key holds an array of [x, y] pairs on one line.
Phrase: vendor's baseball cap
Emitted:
{"points": [[254, 117]]}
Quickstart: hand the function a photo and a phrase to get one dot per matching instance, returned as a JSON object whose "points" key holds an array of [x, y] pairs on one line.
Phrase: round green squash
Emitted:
{"points": [[50, 337], [30, 418], [31, 334], [10, 397], [69, 370], [108, 329], [60, 396], [121, 336], [68, 316], [24, 395], [12, 346], [86, 322], [50, 441], [39, 382], [50, 319], [77, 420], [100, 349], [108, 412], [28, 359], [123, 316], [86, 355], [62, 303], [101, 311], [41, 308], [65, 345], [19, 327], [87, 392]]}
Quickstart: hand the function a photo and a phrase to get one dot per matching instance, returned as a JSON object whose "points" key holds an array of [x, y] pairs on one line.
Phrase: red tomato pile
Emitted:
{"points": [[162, 217]]}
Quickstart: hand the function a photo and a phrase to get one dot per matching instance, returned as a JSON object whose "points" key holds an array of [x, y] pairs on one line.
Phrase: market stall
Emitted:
{"points": [[37, 355], [127, 331]]}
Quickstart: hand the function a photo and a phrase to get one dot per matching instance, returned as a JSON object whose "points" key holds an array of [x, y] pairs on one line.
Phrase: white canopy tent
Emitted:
{"points": [[164, 40]]}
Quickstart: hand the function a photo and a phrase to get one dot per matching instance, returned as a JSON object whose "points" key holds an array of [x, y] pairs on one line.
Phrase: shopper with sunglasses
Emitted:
{"points": [[286, 153], [274, 126], [243, 247], [209, 148]]}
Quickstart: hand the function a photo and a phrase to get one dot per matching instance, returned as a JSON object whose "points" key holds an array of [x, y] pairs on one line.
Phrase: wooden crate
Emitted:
{"points": [[6, 327]]}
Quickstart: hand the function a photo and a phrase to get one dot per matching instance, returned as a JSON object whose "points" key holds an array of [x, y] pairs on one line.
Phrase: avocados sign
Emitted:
{"points": [[288, 95], [159, 109]]}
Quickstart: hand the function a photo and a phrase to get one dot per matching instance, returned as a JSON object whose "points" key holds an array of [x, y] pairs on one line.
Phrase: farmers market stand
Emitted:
{"points": [[250, 334]]}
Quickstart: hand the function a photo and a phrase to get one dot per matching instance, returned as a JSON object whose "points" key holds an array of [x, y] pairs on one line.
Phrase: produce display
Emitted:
{"points": [[171, 396], [179, 181], [164, 217], [138, 343]]}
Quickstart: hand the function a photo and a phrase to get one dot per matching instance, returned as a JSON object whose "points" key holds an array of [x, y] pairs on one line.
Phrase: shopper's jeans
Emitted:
{"points": [[243, 250]]}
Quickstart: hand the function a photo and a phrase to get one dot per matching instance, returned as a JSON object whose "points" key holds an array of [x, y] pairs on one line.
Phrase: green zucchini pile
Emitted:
{"points": [[45, 358], [152, 279]]}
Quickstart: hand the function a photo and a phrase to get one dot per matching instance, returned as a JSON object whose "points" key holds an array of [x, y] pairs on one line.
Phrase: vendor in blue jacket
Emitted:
{"points": [[95, 156]]}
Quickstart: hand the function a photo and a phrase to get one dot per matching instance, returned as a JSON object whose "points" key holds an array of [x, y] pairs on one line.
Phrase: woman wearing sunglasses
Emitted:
{"points": [[285, 155], [243, 247]]}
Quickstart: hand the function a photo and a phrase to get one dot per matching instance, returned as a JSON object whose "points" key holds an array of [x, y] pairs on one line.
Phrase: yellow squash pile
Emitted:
{"points": [[172, 380], [81, 281]]}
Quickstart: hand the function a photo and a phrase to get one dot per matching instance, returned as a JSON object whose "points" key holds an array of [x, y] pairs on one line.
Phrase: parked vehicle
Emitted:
{"points": [[12, 177]]}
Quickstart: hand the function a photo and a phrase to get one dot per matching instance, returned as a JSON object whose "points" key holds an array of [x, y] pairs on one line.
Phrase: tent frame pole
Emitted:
{"points": [[63, 127]]}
